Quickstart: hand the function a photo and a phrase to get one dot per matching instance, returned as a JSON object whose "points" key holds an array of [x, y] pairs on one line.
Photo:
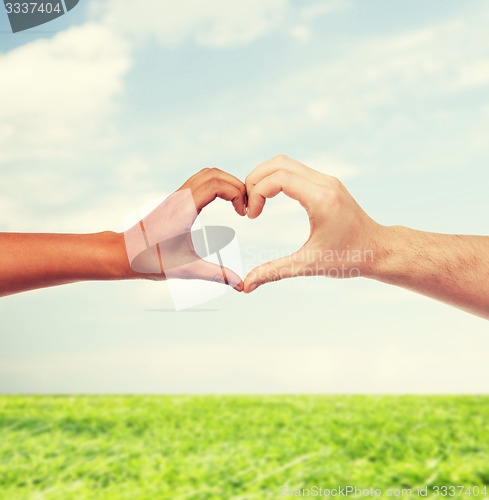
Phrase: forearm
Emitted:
{"points": [[30, 261], [450, 268]]}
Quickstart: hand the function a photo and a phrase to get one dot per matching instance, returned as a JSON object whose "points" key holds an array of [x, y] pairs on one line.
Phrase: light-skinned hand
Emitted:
{"points": [[342, 235]]}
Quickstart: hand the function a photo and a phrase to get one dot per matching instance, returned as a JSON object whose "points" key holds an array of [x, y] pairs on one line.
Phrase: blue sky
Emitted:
{"points": [[110, 106]]}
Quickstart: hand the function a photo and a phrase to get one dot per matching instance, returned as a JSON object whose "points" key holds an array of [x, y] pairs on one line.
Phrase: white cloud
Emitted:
{"points": [[473, 74], [304, 29], [313, 11], [43, 200], [57, 94], [374, 77], [213, 23], [57, 101], [301, 33], [132, 174], [382, 84]]}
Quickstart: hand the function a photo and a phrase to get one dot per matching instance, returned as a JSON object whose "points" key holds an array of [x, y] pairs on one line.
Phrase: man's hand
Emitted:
{"points": [[342, 237], [346, 242]]}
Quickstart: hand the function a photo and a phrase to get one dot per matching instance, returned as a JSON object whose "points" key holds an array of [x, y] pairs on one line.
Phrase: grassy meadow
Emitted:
{"points": [[237, 447]]}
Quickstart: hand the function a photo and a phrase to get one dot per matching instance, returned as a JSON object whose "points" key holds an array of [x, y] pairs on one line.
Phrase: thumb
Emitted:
{"points": [[275, 270], [208, 271]]}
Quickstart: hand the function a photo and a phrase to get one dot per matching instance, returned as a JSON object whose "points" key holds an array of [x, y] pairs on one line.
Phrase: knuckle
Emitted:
{"points": [[281, 158], [213, 183]]}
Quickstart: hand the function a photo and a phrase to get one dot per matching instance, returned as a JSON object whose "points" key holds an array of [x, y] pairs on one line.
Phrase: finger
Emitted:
{"points": [[208, 178], [292, 185], [210, 173], [282, 162], [218, 188], [275, 270], [240, 205], [208, 271]]}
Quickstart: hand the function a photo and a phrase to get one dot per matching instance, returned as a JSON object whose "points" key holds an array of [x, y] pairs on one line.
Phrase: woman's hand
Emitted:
{"points": [[160, 246]]}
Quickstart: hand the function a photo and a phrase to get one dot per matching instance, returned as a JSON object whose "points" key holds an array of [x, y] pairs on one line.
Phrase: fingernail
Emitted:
{"points": [[239, 287], [252, 287]]}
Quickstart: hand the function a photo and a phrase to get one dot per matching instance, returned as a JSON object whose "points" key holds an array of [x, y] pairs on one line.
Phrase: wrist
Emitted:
{"points": [[388, 256], [119, 265], [117, 261]]}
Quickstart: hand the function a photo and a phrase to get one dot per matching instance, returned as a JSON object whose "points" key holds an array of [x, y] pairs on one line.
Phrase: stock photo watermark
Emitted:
{"points": [[27, 15], [357, 492], [330, 263]]}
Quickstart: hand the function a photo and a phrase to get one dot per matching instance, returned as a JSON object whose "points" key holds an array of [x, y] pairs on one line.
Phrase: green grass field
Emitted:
{"points": [[233, 447]]}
